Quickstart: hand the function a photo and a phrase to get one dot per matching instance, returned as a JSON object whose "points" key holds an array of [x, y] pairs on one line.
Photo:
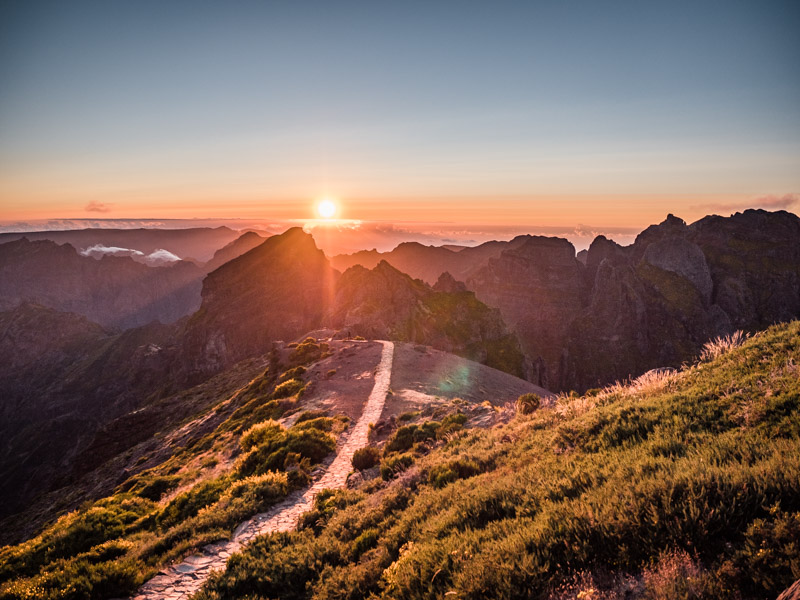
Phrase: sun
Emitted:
{"points": [[327, 208]]}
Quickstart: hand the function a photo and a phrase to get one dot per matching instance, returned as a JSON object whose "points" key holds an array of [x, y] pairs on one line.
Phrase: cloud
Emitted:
{"points": [[769, 202], [156, 258], [97, 207]]}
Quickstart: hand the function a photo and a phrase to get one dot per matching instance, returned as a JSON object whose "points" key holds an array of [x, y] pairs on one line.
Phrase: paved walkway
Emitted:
{"points": [[180, 581]]}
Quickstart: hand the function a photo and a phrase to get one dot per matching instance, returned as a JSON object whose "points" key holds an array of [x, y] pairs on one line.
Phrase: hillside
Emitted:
{"points": [[141, 486], [678, 485]]}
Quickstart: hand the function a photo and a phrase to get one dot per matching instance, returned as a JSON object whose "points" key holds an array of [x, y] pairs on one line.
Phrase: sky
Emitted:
{"points": [[526, 114]]}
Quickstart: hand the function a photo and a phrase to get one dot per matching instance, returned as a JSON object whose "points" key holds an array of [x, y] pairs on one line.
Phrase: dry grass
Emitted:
{"points": [[722, 344]]}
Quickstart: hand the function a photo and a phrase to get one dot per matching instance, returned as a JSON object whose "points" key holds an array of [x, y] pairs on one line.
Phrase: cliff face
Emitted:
{"points": [[385, 303], [656, 303], [539, 288], [116, 292], [623, 310], [276, 291]]}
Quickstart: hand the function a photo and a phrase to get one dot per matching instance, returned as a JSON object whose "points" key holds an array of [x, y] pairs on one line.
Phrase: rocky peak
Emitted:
{"points": [[671, 227], [448, 283], [542, 250], [278, 290], [601, 249]]}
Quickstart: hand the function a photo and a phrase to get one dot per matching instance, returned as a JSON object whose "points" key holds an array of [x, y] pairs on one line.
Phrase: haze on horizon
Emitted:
{"points": [[526, 114]]}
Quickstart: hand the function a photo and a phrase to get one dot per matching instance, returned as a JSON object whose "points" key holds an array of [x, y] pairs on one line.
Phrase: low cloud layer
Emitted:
{"points": [[157, 258], [768, 202]]}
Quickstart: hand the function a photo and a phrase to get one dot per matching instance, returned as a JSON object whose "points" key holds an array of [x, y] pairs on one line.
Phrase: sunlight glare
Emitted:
{"points": [[326, 208]]}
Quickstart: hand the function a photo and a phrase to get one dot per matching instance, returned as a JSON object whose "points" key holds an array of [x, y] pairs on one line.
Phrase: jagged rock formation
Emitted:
{"points": [[447, 283], [429, 262], [385, 303], [116, 292], [656, 302], [276, 291]]}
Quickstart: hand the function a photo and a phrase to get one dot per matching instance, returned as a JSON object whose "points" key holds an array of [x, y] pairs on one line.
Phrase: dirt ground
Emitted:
{"points": [[421, 378]]}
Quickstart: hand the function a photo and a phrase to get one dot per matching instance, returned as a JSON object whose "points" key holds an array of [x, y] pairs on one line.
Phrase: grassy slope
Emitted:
{"points": [[673, 487], [107, 548]]}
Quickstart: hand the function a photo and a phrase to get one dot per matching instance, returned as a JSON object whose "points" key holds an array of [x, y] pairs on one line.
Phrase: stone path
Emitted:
{"points": [[178, 582]]}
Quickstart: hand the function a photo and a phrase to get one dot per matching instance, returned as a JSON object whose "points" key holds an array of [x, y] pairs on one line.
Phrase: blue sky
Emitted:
{"points": [[482, 110]]}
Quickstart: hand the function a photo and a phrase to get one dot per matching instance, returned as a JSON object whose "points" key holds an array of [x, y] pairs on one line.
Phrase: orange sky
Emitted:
{"points": [[554, 210]]}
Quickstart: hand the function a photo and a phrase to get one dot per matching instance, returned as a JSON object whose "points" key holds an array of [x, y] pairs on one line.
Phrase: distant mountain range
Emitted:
{"points": [[80, 345]]}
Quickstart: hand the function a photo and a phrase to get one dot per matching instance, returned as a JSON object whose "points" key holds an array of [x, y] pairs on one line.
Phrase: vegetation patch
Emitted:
{"points": [[366, 458]]}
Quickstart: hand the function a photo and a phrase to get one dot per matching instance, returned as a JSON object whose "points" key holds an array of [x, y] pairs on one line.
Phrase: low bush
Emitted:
{"points": [[294, 373], [307, 351], [393, 465], [272, 452], [441, 475], [290, 387], [308, 415], [187, 504], [527, 403], [366, 458]]}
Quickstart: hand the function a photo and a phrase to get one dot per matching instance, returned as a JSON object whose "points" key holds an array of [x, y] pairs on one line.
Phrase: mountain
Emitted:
{"points": [[276, 291], [656, 302], [244, 243], [115, 291], [62, 378], [651, 304], [199, 243], [384, 303], [539, 288], [429, 262]]}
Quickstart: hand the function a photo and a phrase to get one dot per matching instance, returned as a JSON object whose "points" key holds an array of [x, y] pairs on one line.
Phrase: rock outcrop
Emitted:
{"points": [[276, 291], [387, 304], [539, 288], [656, 302]]}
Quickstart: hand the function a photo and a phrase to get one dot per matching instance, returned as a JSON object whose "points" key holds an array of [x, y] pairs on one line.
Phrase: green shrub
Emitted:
{"points": [[366, 540], [187, 504], [306, 352], [395, 464], [366, 458], [527, 403], [440, 475], [290, 387], [320, 423], [271, 455], [405, 437], [261, 433], [294, 373], [150, 486], [408, 416], [308, 415]]}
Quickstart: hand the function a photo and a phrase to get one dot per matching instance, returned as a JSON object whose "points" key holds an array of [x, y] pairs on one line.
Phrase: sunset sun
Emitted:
{"points": [[327, 208]]}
